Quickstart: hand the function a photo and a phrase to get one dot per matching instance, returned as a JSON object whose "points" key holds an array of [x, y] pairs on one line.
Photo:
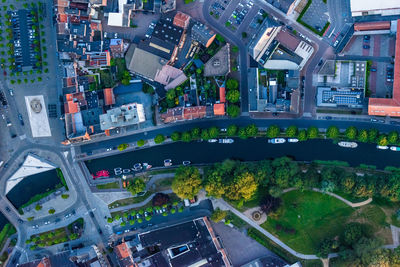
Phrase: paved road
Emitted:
{"points": [[243, 56], [379, 59]]}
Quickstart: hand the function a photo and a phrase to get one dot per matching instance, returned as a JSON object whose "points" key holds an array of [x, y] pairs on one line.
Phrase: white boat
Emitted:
{"points": [[186, 162], [167, 162], [212, 140], [382, 147], [277, 140], [348, 144], [225, 141], [146, 165], [137, 166], [395, 148], [293, 140]]}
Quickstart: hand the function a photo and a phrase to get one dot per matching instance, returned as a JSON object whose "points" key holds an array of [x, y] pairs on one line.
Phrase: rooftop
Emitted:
{"points": [[122, 116], [219, 64], [167, 31]]}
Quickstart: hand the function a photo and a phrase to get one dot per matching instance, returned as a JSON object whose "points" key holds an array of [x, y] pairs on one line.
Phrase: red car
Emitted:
{"points": [[5, 73]]}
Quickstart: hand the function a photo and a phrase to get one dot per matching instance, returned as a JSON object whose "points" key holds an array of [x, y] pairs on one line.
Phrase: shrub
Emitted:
{"points": [[159, 139], [140, 143], [38, 207], [218, 215], [173, 211], [52, 211], [122, 147], [65, 196], [110, 220]]}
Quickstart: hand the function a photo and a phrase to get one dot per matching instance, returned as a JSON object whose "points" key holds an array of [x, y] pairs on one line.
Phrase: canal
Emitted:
{"points": [[31, 186], [247, 150]]}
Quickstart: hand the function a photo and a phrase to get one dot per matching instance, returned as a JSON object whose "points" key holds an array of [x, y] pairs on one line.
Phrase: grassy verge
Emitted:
{"points": [[275, 248], [113, 185], [235, 220], [350, 197], [6, 232], [62, 179], [128, 201], [38, 197]]}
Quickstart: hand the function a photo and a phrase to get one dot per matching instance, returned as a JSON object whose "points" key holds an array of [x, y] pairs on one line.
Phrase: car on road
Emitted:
{"points": [[366, 47], [46, 223], [8, 209], [109, 149], [21, 120], [373, 69], [367, 37], [328, 117], [381, 121], [374, 120], [127, 231], [11, 92]]}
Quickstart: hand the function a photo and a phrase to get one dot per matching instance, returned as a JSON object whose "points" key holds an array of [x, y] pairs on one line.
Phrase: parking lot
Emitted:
{"points": [[25, 33], [316, 15], [371, 45]]}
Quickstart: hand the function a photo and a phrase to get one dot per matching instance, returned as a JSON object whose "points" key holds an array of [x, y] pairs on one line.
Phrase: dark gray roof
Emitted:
{"points": [[201, 33], [167, 31], [158, 47]]}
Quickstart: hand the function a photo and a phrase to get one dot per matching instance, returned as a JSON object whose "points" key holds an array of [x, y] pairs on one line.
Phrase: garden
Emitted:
{"points": [[71, 232]]}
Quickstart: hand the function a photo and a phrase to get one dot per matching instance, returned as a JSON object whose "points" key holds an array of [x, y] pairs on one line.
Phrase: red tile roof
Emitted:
{"points": [[389, 107], [222, 95], [122, 251], [219, 109], [181, 20], [373, 25], [287, 40], [109, 98]]}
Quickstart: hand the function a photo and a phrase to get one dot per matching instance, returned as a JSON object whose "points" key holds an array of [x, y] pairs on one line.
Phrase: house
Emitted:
{"points": [[109, 98], [219, 109], [124, 255], [202, 34], [170, 76], [181, 20], [117, 47], [125, 115], [219, 64], [184, 113]]}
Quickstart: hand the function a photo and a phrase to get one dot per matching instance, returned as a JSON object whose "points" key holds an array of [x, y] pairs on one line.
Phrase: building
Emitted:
{"points": [[195, 245], [117, 47], [202, 34], [276, 48], [362, 8], [219, 64], [186, 113], [124, 255], [389, 106], [219, 109], [181, 20], [341, 84], [170, 76], [124, 115]]}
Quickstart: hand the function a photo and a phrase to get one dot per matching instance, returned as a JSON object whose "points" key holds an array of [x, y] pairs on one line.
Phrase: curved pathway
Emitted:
{"points": [[351, 204]]}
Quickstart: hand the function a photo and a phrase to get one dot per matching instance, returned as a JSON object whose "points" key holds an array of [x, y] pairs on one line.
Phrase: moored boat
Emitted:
{"points": [[101, 174], [382, 147], [212, 140], [167, 162], [395, 148], [348, 144], [186, 162], [277, 140], [293, 140], [225, 141]]}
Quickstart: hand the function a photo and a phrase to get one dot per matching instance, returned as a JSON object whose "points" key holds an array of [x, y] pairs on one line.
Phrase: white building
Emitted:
{"points": [[374, 7]]}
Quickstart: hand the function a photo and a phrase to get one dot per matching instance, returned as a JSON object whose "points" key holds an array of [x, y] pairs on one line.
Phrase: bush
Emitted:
{"points": [[30, 218], [52, 211], [159, 139], [173, 211], [140, 143], [180, 209], [38, 207], [218, 215], [110, 220], [122, 147], [65, 196]]}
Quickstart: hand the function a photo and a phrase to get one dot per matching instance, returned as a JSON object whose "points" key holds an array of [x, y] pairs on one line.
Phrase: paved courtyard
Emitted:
{"points": [[316, 15]]}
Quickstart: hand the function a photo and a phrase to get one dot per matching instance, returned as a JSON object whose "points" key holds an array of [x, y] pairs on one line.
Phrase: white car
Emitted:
{"points": [[127, 231], [46, 223]]}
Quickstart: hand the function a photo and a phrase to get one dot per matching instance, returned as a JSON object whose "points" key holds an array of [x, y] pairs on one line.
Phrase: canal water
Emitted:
{"points": [[3, 221], [248, 150], [31, 186]]}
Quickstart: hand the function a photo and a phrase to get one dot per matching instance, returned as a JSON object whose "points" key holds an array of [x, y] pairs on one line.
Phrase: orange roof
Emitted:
{"points": [[222, 95], [109, 98], [122, 251], [181, 20], [63, 18], [374, 25], [72, 107], [219, 109], [389, 107]]}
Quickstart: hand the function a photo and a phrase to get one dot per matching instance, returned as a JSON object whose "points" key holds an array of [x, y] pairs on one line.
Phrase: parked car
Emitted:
{"points": [[367, 37], [373, 69], [366, 46]]}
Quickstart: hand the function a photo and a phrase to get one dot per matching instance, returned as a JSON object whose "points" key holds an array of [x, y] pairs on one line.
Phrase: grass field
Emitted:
{"points": [[113, 185], [128, 201], [306, 218]]}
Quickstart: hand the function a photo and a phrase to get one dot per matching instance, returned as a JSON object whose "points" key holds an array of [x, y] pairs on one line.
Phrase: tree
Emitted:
{"points": [[244, 35], [214, 184], [242, 187], [352, 233], [195, 132], [218, 215], [312, 132], [175, 136], [251, 130], [160, 199], [363, 136], [242, 133], [213, 132], [235, 49], [351, 132], [232, 84], [302, 136], [284, 170], [159, 139], [270, 204], [131, 222], [233, 96], [273, 131], [187, 182], [110, 220], [382, 140], [122, 147], [372, 135], [324, 248], [52, 211], [291, 131], [204, 134], [233, 111], [136, 186], [231, 130], [332, 132], [38, 207], [170, 98], [140, 143], [65, 196], [393, 137], [186, 137]]}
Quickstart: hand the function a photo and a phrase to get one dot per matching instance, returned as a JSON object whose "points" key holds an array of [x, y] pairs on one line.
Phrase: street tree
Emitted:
{"points": [[204, 134], [382, 140], [372, 135], [136, 186], [231, 130], [232, 84], [351, 132], [291, 131], [218, 215], [233, 96], [312, 132], [242, 187], [332, 132], [175, 136], [363, 136], [242, 133], [186, 137], [187, 182], [393, 137], [302, 136], [273, 131], [251, 130], [213, 132], [159, 139], [233, 111], [195, 132]]}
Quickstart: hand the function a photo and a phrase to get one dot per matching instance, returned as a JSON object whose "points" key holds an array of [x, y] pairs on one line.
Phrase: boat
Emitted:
{"points": [[293, 140], [277, 140], [225, 141], [212, 140], [382, 147], [395, 148], [147, 166], [348, 144], [137, 166], [101, 174], [186, 162], [167, 162]]}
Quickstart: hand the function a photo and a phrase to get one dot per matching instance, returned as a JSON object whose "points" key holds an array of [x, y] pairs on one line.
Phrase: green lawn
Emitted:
{"points": [[128, 201], [113, 185], [306, 218], [253, 202]]}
